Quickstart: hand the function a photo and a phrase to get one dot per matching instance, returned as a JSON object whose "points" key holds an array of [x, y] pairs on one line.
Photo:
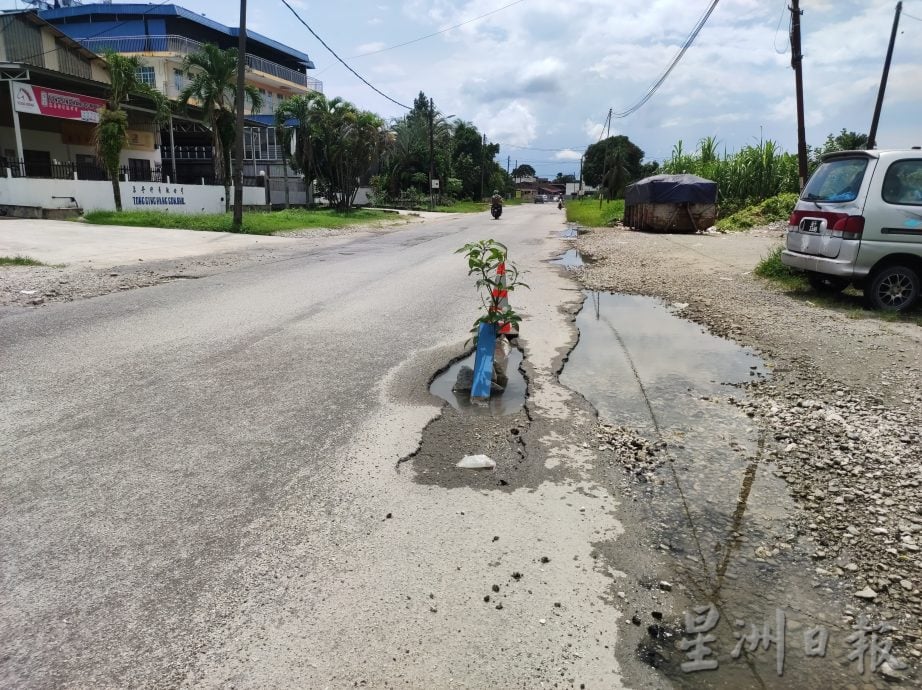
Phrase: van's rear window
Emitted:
{"points": [[836, 181]]}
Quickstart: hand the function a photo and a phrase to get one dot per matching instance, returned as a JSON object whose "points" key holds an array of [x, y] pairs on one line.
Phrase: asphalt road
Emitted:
{"points": [[196, 478]]}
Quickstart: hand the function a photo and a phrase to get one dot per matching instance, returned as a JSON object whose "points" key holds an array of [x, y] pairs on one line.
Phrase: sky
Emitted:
{"points": [[539, 76]]}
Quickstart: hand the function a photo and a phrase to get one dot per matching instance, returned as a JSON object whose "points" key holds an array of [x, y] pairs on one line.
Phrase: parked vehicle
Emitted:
{"points": [[671, 203], [859, 222], [539, 198], [496, 210]]}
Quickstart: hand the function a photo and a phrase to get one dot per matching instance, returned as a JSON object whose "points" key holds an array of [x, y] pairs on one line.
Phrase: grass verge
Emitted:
{"points": [[464, 207], [587, 212], [849, 302], [19, 261], [254, 222], [771, 268], [776, 208]]}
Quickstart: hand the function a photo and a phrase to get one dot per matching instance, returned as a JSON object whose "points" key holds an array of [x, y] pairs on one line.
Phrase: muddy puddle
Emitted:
{"points": [[509, 401], [570, 259], [725, 527]]}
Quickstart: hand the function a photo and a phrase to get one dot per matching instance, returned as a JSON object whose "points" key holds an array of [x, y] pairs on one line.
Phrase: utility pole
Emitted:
{"points": [[872, 135], [605, 160], [579, 192], [797, 63], [431, 159], [483, 154], [238, 151]]}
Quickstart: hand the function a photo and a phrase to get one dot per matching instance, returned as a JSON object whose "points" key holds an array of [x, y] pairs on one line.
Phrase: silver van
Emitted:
{"points": [[859, 222]]}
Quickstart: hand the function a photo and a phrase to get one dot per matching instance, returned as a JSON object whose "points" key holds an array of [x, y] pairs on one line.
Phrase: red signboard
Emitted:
{"points": [[39, 100]]}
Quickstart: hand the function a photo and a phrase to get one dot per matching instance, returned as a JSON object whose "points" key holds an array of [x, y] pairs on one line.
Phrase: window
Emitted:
{"points": [[179, 79], [837, 180], [146, 76], [903, 183]]}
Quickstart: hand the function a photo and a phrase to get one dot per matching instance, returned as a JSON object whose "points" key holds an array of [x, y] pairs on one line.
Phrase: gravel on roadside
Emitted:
{"points": [[842, 409]]}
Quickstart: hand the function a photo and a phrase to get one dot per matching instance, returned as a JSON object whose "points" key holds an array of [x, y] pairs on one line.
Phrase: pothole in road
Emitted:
{"points": [[672, 407], [509, 401], [570, 259]]}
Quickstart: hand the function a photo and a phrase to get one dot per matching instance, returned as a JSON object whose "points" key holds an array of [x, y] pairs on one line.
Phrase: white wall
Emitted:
{"points": [[92, 195]]}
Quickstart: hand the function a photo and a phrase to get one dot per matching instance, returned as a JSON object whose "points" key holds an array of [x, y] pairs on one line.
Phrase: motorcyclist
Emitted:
{"points": [[496, 199]]}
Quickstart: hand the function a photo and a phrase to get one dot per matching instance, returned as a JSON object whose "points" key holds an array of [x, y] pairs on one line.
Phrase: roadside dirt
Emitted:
{"points": [[33, 286]]}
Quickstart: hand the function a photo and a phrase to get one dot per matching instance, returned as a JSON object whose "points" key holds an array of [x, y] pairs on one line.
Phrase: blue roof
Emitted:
{"points": [[151, 10], [269, 120]]}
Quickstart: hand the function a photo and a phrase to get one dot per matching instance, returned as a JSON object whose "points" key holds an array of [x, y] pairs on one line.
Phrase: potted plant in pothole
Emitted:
{"points": [[494, 328]]}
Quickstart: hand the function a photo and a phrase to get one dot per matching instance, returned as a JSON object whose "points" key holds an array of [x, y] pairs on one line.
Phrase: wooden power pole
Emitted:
{"points": [[797, 63], [872, 134]]}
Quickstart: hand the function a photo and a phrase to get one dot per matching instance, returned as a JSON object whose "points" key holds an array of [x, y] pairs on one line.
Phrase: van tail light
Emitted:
{"points": [[838, 224], [849, 228]]}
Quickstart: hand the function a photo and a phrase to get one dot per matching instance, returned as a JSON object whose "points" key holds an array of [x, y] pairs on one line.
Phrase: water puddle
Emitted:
{"points": [[570, 259], [727, 528], [509, 401], [572, 231]]}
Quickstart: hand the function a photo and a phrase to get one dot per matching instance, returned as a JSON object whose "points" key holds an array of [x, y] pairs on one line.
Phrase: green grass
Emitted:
{"points": [[468, 206], [776, 208], [254, 222], [771, 268], [850, 302], [19, 261], [587, 212], [464, 207]]}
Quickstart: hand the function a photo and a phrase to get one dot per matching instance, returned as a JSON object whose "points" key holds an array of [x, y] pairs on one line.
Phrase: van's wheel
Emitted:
{"points": [[828, 284], [893, 288]]}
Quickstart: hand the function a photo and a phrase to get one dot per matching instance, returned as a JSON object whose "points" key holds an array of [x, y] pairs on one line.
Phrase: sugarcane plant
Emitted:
{"points": [[484, 260]]}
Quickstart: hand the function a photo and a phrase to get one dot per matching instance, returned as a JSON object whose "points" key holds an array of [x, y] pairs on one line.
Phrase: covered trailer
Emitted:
{"points": [[671, 203]]}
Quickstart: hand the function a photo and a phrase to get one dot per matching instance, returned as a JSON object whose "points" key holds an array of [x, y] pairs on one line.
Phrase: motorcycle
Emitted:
{"points": [[496, 210]]}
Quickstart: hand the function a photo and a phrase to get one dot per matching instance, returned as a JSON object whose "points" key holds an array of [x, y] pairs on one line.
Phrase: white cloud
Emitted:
{"points": [[568, 155], [370, 47], [513, 124], [544, 74]]}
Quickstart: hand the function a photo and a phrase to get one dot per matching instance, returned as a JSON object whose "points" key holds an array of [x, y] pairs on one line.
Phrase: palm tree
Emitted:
{"points": [[111, 133], [303, 110], [335, 143], [212, 75]]}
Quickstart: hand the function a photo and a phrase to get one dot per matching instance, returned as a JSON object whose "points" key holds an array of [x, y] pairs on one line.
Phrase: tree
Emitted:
{"points": [[843, 141], [563, 179], [523, 170], [612, 163], [111, 134], [335, 143], [212, 74]]}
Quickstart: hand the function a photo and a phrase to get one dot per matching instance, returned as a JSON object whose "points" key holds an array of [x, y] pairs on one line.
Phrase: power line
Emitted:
{"points": [[675, 61], [333, 53], [784, 11], [437, 33]]}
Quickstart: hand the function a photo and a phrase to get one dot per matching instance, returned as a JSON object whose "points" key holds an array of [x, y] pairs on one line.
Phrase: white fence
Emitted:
{"points": [[97, 196]]}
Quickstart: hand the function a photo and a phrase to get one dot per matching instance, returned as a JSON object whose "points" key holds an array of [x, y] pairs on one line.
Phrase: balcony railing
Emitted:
{"points": [[180, 45]]}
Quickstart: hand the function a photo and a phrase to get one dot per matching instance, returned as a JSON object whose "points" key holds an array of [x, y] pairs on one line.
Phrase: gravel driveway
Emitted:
{"points": [[842, 407]]}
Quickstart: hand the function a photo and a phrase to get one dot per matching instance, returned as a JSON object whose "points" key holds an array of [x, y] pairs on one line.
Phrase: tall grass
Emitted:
{"points": [[747, 177], [588, 212]]}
